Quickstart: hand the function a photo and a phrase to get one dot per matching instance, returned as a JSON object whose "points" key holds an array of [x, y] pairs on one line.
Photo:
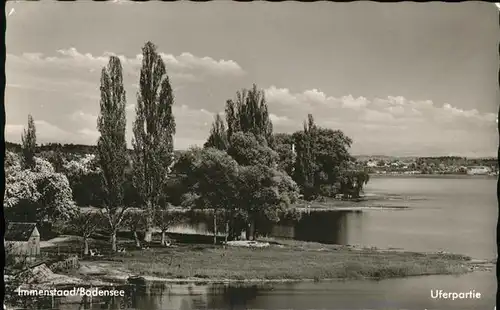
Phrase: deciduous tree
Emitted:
{"points": [[154, 128], [165, 219], [248, 113], [247, 149], [213, 181], [264, 193], [111, 146], [39, 194], [85, 223]]}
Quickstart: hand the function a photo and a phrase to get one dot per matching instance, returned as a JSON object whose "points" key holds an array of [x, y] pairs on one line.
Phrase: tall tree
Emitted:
{"points": [[28, 139], [218, 135], [249, 113], [305, 163], [154, 128], [111, 146]]}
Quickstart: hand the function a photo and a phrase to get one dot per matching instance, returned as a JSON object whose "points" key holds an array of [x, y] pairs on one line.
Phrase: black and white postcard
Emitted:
{"points": [[256, 155]]}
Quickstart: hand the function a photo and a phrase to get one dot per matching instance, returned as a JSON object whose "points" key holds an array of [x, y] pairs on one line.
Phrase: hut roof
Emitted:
{"points": [[17, 231]]}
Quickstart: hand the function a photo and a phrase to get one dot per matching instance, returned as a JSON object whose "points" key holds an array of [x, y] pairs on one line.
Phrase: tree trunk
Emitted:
{"points": [[247, 232], [148, 235], [113, 241], [136, 239], [163, 239], [85, 246], [251, 229], [215, 227], [227, 231]]}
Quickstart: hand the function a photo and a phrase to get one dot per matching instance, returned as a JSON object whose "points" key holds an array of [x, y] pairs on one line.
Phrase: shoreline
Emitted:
{"points": [[122, 278], [284, 261], [279, 264]]}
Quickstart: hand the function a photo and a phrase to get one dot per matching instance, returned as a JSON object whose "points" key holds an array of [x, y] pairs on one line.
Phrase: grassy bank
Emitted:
{"points": [[288, 260]]}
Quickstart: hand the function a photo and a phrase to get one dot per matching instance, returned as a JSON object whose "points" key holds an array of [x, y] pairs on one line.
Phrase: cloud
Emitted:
{"points": [[278, 119], [389, 125], [376, 116], [81, 116], [185, 66], [354, 103], [204, 64], [387, 109], [280, 96]]}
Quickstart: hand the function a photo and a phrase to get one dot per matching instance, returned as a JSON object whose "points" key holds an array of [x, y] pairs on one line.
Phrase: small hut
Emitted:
{"points": [[23, 239]]}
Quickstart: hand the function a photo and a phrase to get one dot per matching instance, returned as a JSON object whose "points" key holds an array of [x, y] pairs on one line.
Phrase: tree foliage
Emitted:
{"points": [[153, 130], [263, 194], [247, 149], [212, 179], [28, 141], [111, 146], [218, 135], [40, 194], [323, 165], [248, 113], [283, 145], [84, 176]]}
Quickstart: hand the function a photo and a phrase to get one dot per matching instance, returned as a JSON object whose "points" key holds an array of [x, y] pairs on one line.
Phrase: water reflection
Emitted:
{"points": [[318, 226], [409, 293]]}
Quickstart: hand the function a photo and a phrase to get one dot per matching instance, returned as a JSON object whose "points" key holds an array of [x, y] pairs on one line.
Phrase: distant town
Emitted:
{"points": [[451, 165]]}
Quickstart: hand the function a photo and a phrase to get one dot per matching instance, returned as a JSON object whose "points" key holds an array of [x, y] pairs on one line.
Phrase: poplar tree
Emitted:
{"points": [[28, 139], [111, 146], [248, 113], [218, 135], [153, 129]]}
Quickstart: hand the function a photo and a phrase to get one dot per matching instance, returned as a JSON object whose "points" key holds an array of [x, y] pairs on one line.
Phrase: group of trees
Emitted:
{"points": [[245, 174], [34, 191], [251, 176], [114, 179]]}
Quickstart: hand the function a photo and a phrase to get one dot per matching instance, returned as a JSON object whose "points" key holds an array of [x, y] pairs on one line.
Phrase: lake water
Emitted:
{"points": [[397, 294], [457, 215]]}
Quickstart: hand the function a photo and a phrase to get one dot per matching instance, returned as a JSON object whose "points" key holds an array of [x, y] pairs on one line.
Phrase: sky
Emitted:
{"points": [[400, 79]]}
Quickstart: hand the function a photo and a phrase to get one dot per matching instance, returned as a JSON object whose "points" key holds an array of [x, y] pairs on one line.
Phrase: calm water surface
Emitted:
{"points": [[411, 293], [457, 215]]}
